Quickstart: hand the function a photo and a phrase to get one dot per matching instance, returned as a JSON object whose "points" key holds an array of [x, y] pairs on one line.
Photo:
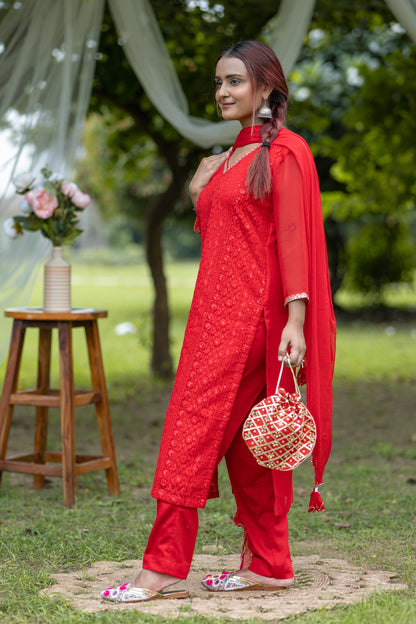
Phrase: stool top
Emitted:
{"points": [[37, 314]]}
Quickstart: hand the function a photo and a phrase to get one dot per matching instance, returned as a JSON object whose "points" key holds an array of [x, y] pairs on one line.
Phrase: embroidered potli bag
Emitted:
{"points": [[280, 431]]}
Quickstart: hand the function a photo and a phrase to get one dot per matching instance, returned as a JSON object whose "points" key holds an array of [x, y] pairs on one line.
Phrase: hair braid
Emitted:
{"points": [[259, 175]]}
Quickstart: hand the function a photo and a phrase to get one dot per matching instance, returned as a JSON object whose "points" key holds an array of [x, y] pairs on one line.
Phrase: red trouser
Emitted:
{"points": [[172, 540]]}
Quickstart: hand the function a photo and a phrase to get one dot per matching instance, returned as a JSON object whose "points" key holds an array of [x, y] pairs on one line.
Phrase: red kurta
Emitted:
{"points": [[255, 257]]}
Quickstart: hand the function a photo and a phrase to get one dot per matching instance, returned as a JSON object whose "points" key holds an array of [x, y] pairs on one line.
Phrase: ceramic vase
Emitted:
{"points": [[57, 283]]}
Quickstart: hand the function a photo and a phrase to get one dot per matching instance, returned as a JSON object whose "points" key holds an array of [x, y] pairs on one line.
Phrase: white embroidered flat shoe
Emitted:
{"points": [[229, 581], [128, 593]]}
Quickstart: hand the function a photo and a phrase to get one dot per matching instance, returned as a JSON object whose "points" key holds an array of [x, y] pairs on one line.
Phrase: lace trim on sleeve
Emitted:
{"points": [[296, 297]]}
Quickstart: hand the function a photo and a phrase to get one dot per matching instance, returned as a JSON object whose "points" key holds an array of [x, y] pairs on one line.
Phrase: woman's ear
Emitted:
{"points": [[266, 91]]}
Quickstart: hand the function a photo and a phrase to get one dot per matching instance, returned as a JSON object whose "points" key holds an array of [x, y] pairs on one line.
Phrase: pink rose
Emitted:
{"points": [[80, 200], [69, 189], [43, 204]]}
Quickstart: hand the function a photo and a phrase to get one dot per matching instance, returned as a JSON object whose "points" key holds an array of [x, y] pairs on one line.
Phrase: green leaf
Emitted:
{"points": [[73, 234], [30, 223]]}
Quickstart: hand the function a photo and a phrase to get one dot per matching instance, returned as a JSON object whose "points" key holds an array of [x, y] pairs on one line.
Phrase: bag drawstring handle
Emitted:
{"points": [[315, 502], [287, 357]]}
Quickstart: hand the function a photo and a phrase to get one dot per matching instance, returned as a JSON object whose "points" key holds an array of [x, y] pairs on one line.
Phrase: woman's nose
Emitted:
{"points": [[222, 91]]}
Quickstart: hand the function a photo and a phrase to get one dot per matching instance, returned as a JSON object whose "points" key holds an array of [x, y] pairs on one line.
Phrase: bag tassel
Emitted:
{"points": [[301, 376], [315, 502]]}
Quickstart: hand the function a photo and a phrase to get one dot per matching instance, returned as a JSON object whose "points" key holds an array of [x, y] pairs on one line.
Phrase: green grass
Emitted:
{"points": [[370, 490]]}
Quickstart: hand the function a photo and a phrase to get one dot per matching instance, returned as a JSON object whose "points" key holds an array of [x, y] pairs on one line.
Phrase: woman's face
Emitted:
{"points": [[234, 93]]}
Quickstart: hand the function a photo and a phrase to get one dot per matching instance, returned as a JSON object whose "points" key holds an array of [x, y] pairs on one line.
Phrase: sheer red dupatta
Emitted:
{"points": [[304, 269]]}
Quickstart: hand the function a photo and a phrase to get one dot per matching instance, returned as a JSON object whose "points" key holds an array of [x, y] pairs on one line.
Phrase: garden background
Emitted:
{"points": [[352, 100]]}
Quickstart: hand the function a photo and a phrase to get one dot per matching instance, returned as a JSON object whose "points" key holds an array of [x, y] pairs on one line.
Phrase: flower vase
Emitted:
{"points": [[57, 283]]}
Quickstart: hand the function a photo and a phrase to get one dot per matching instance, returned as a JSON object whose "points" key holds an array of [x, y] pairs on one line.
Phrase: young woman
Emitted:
{"points": [[262, 290]]}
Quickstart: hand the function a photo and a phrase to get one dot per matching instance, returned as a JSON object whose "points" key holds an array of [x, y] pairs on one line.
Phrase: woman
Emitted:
{"points": [[262, 290]]}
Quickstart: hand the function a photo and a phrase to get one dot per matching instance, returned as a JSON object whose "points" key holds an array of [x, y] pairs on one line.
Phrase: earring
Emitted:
{"points": [[264, 112]]}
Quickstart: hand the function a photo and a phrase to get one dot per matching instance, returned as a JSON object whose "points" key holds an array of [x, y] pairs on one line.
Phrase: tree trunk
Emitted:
{"points": [[161, 360], [159, 208], [180, 161]]}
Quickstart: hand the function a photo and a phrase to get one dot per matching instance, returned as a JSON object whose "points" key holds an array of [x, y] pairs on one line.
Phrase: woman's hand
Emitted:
{"points": [[292, 334], [207, 167]]}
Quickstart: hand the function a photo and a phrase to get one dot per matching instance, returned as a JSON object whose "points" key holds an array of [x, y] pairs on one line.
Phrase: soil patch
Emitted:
{"points": [[320, 582]]}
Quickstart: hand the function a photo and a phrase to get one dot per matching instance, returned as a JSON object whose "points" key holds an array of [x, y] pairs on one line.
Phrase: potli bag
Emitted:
{"points": [[280, 430]]}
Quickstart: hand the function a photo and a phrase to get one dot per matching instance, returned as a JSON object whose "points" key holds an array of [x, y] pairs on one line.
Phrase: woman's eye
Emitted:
{"points": [[217, 84], [234, 81]]}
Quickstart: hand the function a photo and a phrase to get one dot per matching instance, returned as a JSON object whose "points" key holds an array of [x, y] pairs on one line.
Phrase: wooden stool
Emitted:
{"points": [[66, 398]]}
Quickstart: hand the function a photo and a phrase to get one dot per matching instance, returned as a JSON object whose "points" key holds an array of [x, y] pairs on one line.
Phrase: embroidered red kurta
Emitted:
{"points": [[256, 256]]}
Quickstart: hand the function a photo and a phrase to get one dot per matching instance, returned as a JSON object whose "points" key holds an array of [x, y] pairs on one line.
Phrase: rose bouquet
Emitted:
{"points": [[54, 209]]}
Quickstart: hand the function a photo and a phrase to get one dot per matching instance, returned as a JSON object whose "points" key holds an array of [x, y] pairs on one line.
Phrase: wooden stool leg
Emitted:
{"points": [[41, 427], [102, 407], [67, 411], [10, 385]]}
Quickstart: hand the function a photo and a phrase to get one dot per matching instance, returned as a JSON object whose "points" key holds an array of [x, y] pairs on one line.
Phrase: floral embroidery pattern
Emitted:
{"points": [[231, 293]]}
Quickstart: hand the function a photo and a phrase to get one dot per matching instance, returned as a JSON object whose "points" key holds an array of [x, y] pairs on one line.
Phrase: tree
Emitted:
{"points": [[381, 134], [194, 37], [352, 98]]}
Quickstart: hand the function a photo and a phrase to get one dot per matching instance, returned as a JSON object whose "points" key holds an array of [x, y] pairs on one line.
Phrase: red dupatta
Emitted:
{"points": [[311, 263]]}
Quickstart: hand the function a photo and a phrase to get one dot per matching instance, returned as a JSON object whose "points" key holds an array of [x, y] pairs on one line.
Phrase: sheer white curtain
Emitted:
{"points": [[405, 13], [148, 56], [47, 60]]}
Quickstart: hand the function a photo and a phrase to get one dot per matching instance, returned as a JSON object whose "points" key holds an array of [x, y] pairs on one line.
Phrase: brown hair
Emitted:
{"points": [[264, 69]]}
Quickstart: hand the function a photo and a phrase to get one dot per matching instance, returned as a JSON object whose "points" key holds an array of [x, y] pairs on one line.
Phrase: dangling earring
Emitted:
{"points": [[264, 112]]}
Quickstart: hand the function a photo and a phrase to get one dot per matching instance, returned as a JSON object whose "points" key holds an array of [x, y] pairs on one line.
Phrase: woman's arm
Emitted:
{"points": [[207, 168], [292, 244], [292, 334]]}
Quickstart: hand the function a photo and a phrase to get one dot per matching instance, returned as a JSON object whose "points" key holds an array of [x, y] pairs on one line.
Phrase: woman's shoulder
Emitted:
{"points": [[288, 142]]}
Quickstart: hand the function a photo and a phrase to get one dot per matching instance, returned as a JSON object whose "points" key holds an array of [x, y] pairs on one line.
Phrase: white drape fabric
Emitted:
{"points": [[405, 13], [289, 30], [149, 57], [47, 60]]}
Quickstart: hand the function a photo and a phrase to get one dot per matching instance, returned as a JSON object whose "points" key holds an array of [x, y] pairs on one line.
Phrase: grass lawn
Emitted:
{"points": [[370, 489]]}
